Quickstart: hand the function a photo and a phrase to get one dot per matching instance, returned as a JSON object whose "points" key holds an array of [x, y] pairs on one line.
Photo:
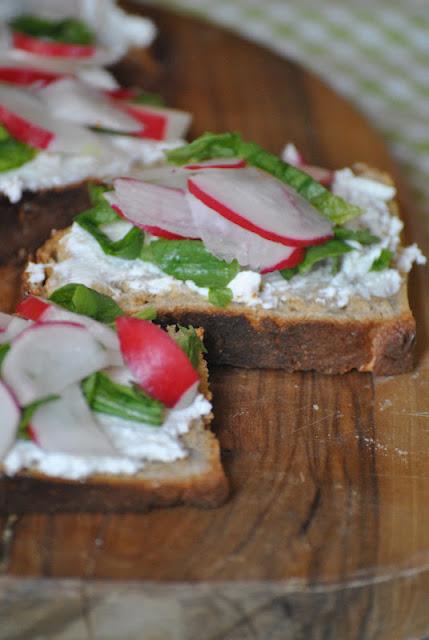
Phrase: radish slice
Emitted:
{"points": [[228, 241], [13, 328], [75, 101], [34, 308], [28, 76], [5, 320], [50, 48], [155, 231], [67, 426], [121, 93], [27, 119], [159, 123], [151, 205], [221, 163], [10, 416], [260, 203], [156, 362], [46, 358]]}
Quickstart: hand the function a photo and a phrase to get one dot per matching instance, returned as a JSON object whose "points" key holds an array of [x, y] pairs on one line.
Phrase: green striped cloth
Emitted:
{"points": [[375, 52]]}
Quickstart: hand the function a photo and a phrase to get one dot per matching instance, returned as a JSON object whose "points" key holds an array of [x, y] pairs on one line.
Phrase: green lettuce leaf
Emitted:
{"points": [[153, 99], [360, 235], [130, 403], [220, 297], [383, 261], [330, 249], [147, 313], [128, 247], [13, 154], [81, 299], [28, 412], [226, 145], [189, 260], [189, 342], [68, 30], [4, 348]]}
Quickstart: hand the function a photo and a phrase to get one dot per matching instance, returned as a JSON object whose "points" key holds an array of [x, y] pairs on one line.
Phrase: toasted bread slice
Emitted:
{"points": [[197, 480], [375, 334]]}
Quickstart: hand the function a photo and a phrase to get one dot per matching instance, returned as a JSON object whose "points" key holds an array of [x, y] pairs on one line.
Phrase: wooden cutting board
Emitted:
{"points": [[327, 526]]}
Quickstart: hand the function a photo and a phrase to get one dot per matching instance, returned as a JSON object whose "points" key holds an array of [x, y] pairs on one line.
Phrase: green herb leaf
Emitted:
{"points": [[330, 249], [128, 247], [147, 313], [28, 412], [4, 348], [220, 297], [130, 403], [189, 342], [226, 145], [81, 299], [360, 235], [153, 99], [190, 260], [68, 30], [13, 154], [383, 261]]}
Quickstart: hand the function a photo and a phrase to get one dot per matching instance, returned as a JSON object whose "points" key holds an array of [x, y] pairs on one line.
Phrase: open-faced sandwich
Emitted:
{"points": [[280, 270], [70, 34], [89, 394]]}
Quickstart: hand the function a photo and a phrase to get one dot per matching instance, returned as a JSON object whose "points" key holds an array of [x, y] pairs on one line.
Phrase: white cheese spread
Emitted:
{"points": [[135, 443], [87, 263], [50, 170]]}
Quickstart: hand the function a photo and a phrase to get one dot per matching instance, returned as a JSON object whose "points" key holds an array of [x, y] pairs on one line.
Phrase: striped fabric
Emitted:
{"points": [[375, 52]]}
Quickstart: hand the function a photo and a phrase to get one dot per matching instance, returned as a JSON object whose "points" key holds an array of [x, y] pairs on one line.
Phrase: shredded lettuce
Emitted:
{"points": [[81, 299], [190, 260], [28, 412], [220, 297], [383, 260], [128, 402], [188, 340], [228, 145], [13, 154], [68, 30], [4, 348], [100, 213]]}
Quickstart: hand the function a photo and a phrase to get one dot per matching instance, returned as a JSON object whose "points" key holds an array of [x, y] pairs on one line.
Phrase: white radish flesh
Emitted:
{"points": [[13, 328], [260, 203], [9, 419], [75, 101], [229, 241], [145, 204], [47, 357], [158, 123], [67, 426], [58, 135]]}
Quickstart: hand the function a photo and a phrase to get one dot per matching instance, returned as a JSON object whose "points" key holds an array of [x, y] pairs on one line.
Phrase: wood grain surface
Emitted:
{"points": [[326, 533]]}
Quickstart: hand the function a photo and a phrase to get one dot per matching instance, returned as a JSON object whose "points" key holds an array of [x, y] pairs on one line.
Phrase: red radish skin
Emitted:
{"points": [[224, 210], [26, 77], [154, 124], [25, 131], [294, 259], [32, 308], [51, 49], [157, 363], [122, 93]]}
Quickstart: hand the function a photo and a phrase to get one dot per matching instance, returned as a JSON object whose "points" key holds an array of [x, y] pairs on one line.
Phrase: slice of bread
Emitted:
{"points": [[197, 480], [375, 334]]}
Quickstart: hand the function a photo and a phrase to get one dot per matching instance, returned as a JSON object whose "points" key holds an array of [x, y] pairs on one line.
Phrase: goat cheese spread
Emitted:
{"points": [[50, 170], [135, 443], [86, 262]]}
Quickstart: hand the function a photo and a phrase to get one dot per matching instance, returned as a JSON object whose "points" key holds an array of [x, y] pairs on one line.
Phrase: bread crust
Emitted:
{"points": [[28, 223], [197, 480], [375, 335]]}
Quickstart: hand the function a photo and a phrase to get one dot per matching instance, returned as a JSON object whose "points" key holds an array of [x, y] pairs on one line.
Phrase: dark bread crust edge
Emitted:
{"points": [[327, 346], [31, 491]]}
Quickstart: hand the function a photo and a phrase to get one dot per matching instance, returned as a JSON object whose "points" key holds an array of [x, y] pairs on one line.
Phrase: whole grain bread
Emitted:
{"points": [[375, 334], [197, 480]]}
